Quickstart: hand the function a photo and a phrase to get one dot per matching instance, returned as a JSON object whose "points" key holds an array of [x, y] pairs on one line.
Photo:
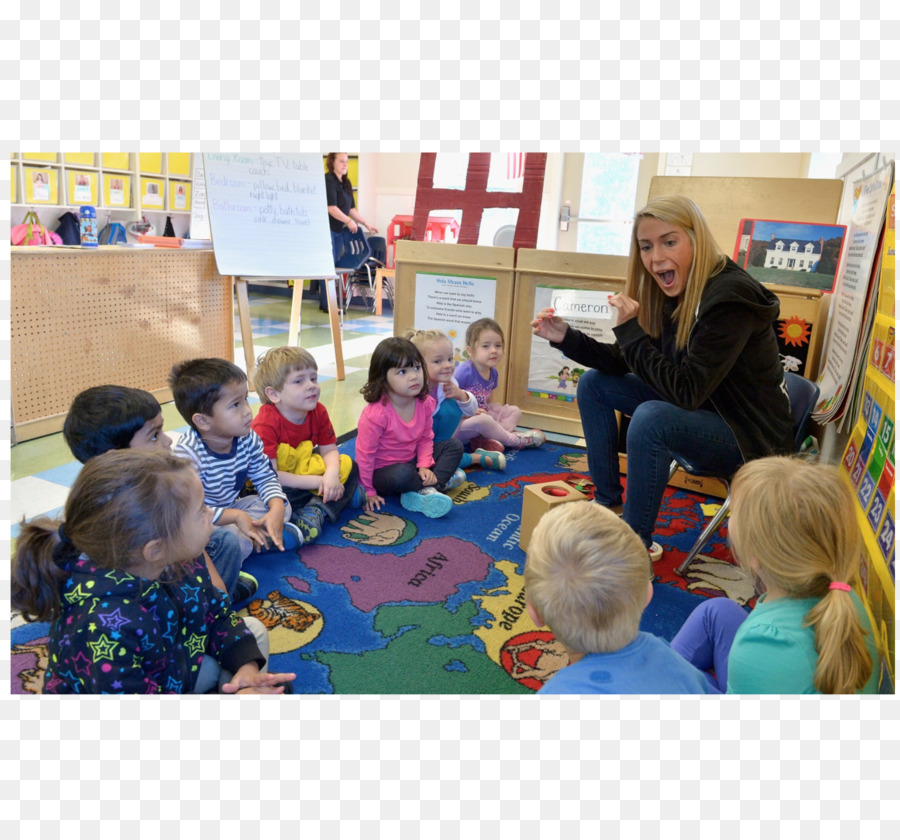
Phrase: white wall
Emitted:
{"points": [[746, 165], [390, 186]]}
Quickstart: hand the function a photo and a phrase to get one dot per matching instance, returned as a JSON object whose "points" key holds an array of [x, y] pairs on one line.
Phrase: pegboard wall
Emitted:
{"points": [[108, 317]]}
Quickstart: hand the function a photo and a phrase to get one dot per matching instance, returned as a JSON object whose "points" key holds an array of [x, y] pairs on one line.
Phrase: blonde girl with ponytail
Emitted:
{"points": [[794, 529]]}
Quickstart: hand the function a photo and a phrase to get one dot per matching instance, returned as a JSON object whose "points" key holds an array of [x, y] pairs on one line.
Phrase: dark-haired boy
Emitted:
{"points": [[117, 417], [212, 396]]}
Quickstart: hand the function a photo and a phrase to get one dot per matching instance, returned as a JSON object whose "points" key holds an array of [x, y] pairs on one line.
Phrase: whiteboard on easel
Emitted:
{"points": [[268, 215]]}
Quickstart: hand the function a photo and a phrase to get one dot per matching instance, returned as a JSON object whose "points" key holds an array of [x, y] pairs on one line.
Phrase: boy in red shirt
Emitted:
{"points": [[299, 439]]}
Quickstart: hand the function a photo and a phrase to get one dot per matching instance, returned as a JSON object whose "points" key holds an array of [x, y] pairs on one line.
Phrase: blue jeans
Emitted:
{"points": [[657, 429], [224, 549], [706, 636]]}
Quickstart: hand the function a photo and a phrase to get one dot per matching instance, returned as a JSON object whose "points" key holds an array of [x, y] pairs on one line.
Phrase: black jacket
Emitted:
{"points": [[731, 364]]}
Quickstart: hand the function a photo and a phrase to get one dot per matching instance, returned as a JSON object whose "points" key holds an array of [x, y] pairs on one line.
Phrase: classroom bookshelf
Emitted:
{"points": [[122, 186]]}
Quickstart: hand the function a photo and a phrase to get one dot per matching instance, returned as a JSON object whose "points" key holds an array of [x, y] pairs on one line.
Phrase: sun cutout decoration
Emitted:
{"points": [[794, 331]]}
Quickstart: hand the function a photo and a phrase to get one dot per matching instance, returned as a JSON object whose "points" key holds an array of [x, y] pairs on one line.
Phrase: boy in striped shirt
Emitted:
{"points": [[212, 396]]}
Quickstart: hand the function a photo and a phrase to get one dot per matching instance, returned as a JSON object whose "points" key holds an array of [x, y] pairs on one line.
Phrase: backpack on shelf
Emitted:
{"points": [[113, 234], [32, 232], [69, 228]]}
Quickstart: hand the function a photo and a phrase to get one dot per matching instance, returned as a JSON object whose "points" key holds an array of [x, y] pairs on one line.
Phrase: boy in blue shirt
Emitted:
{"points": [[586, 579]]}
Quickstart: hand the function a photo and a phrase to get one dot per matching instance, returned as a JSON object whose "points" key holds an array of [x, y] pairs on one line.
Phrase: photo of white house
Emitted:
{"points": [[790, 253], [793, 254]]}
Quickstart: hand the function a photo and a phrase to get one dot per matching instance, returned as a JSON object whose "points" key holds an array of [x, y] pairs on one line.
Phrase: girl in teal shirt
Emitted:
{"points": [[793, 527]]}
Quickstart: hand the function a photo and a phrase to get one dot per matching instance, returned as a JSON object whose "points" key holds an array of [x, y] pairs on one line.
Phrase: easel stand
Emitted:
{"points": [[240, 285]]}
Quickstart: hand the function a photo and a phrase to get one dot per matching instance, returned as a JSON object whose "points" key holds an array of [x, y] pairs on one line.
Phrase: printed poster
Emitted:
{"points": [[450, 302], [551, 374], [81, 186], [852, 291], [152, 193], [40, 186]]}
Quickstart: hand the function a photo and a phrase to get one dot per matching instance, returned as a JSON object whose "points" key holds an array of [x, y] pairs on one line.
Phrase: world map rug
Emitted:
{"points": [[395, 603]]}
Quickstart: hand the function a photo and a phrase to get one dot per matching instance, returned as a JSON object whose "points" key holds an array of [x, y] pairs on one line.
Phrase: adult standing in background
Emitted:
{"points": [[695, 364], [342, 210]]}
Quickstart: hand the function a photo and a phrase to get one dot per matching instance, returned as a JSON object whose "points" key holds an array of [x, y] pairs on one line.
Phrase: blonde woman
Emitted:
{"points": [[695, 365], [793, 528]]}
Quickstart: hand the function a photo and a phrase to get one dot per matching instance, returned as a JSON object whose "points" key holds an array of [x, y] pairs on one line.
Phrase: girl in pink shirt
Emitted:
{"points": [[395, 447]]}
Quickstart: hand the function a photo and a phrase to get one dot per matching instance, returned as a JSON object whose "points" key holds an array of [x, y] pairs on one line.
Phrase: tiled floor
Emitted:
{"points": [[43, 469]]}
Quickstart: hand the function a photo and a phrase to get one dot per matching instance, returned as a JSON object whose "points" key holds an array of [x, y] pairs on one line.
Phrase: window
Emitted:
{"points": [[506, 174], [608, 189]]}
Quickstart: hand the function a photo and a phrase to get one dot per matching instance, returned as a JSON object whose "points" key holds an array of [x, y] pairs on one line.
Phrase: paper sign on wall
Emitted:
{"points": [[551, 374], [450, 302]]}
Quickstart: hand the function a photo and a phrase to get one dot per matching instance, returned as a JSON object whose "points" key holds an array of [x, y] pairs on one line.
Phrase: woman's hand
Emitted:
{"points": [[627, 308], [549, 326], [352, 226]]}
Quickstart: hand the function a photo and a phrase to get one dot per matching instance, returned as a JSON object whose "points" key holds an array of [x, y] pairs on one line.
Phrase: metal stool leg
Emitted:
{"points": [[708, 531]]}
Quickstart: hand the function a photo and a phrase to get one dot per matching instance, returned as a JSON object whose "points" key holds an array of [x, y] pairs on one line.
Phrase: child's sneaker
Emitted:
{"points": [[486, 443], [489, 459], [455, 480], [359, 497], [310, 521], [656, 552], [245, 588], [533, 437], [428, 501], [291, 537]]}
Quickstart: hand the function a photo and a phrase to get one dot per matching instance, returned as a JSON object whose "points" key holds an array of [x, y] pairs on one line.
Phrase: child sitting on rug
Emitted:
{"points": [[586, 579], [453, 403], [125, 585], [793, 528], [493, 427], [117, 417], [395, 445], [299, 440], [212, 396]]}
